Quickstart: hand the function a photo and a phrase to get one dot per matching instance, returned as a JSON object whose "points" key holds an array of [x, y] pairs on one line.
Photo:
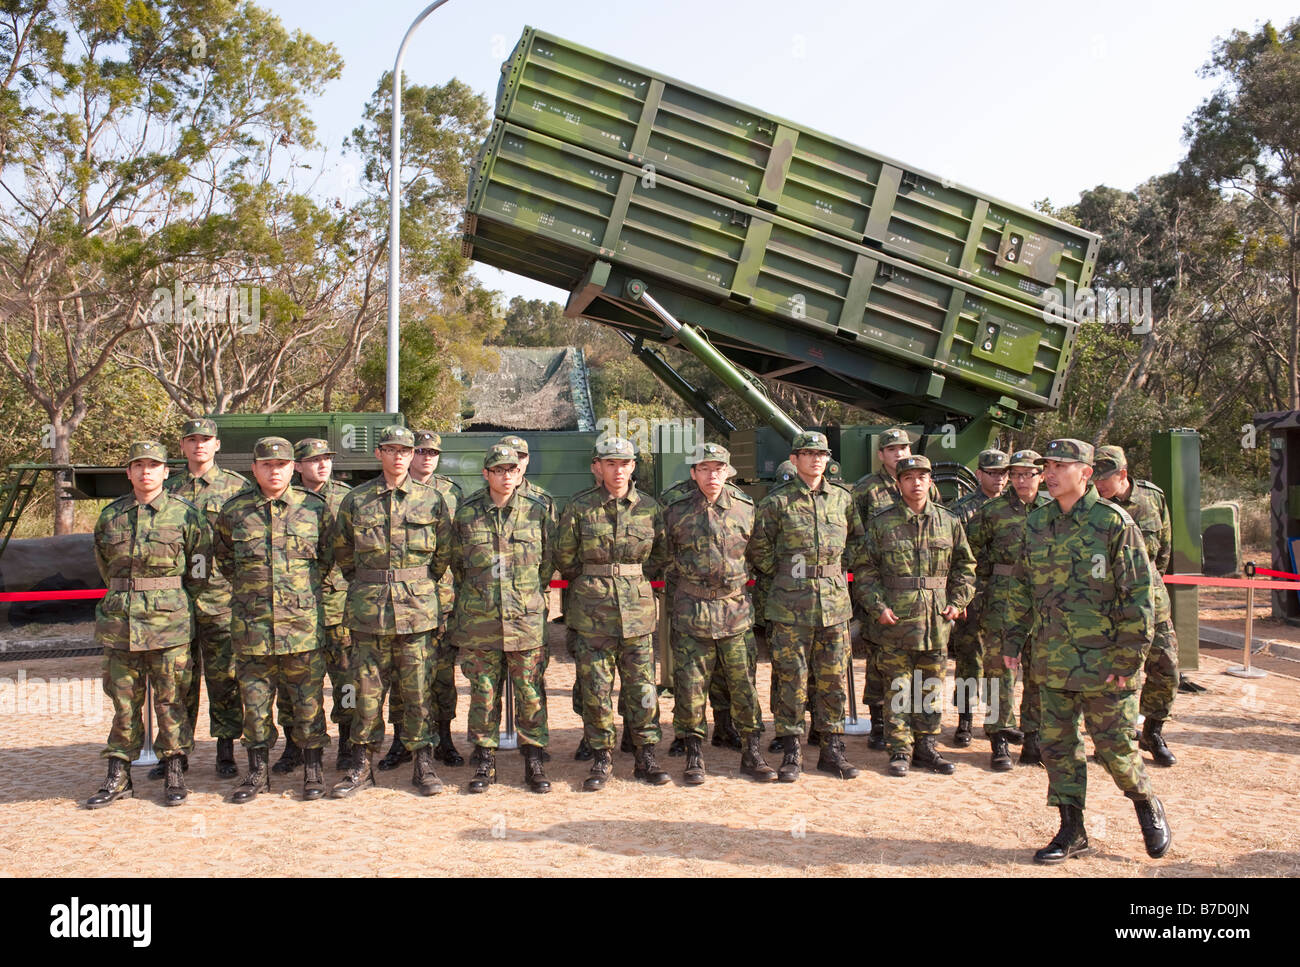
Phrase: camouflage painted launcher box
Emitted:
{"points": [[648, 120], [547, 210]]}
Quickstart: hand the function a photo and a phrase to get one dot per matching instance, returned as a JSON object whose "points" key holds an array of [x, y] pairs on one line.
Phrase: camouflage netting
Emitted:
{"points": [[543, 388]]}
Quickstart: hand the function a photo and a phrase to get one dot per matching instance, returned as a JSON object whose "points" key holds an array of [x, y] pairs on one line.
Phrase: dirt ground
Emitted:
{"points": [[1230, 801]]}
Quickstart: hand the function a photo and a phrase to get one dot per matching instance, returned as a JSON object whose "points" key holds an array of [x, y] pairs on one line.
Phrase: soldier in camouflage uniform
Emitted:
{"points": [[609, 545], [996, 533], [872, 494], [1146, 504], [708, 532], [914, 576], [153, 553], [802, 533], [964, 644], [393, 542], [1085, 600], [785, 472], [273, 541], [208, 487], [501, 556], [442, 668]]}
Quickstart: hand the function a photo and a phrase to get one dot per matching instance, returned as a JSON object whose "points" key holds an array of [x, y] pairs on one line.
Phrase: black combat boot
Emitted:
{"points": [[425, 778], [313, 774], [116, 786], [752, 762], [602, 769], [225, 758], [1015, 736], [678, 747], [446, 751], [1070, 840], [486, 773], [814, 736], [832, 758], [776, 745], [158, 771], [174, 791], [583, 752], [791, 761], [928, 757], [1001, 761], [258, 778], [360, 776], [694, 774], [962, 737], [343, 760], [397, 753], [724, 731], [1030, 753], [291, 758], [625, 744], [876, 740], [1155, 827], [534, 775], [1151, 740], [647, 767], [899, 763]]}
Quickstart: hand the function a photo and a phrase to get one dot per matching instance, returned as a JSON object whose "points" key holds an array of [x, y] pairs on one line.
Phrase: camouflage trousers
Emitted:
{"points": [[1110, 716], [1161, 670], [910, 675], [571, 642], [212, 655], [399, 661], [167, 672], [798, 654], [441, 678], [486, 670], [1001, 698], [337, 652], [302, 676], [720, 688], [634, 659], [967, 651], [698, 661]]}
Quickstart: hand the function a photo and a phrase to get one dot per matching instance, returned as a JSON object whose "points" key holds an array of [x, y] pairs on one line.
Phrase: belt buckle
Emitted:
{"points": [[616, 570]]}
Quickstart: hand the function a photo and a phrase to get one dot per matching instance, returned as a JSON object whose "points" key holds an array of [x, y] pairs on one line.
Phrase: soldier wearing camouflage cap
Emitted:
{"points": [[393, 543], [150, 547], [1147, 505], [208, 487], [609, 545], [1085, 602], [803, 533], [274, 541], [996, 535]]}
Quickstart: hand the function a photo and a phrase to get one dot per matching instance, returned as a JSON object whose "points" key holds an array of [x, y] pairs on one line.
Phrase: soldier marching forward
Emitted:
{"points": [[501, 556], [1086, 601], [153, 554], [393, 542], [273, 542]]}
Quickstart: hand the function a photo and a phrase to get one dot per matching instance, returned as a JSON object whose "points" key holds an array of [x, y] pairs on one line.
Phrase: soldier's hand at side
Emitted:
{"points": [[887, 617], [1012, 663], [952, 614], [962, 614], [1119, 680]]}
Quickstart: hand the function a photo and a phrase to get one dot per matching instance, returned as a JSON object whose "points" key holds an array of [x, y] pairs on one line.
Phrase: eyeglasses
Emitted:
{"points": [[395, 451], [426, 452], [1025, 475], [499, 471]]}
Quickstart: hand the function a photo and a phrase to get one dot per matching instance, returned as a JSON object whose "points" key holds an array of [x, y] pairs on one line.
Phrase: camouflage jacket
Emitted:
{"points": [[1147, 505], [966, 507], [876, 491], [333, 585], [902, 546], [274, 552], [997, 533], [208, 493], [1084, 594], [597, 531], [530, 489], [382, 528], [501, 557], [706, 548], [165, 538], [452, 494], [803, 540]]}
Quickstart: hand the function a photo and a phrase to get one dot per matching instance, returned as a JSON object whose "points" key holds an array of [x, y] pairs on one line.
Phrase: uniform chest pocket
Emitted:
{"points": [[525, 547], [370, 529], [162, 545], [421, 536]]}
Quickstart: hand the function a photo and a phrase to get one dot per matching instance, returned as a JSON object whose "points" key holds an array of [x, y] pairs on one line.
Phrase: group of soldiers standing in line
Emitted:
{"points": [[384, 586]]}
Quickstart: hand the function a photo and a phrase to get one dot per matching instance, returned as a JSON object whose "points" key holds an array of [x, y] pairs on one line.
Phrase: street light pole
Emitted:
{"points": [[395, 214]]}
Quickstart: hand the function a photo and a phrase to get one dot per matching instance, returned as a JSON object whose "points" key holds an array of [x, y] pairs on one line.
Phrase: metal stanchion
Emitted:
{"points": [[509, 737], [852, 724], [1245, 670], [147, 757]]}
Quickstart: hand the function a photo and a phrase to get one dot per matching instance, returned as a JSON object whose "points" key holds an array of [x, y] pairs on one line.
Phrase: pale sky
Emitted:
{"points": [[1019, 100]]}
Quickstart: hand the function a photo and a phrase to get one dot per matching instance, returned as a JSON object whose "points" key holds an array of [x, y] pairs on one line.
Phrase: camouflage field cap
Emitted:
{"points": [[312, 447], [613, 448], [146, 450], [786, 471], [515, 443], [1067, 451], [273, 448], [811, 440], [396, 435], [919, 462], [200, 427], [993, 460], [894, 437], [1026, 458], [1109, 460], [706, 452], [428, 440], [500, 455]]}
